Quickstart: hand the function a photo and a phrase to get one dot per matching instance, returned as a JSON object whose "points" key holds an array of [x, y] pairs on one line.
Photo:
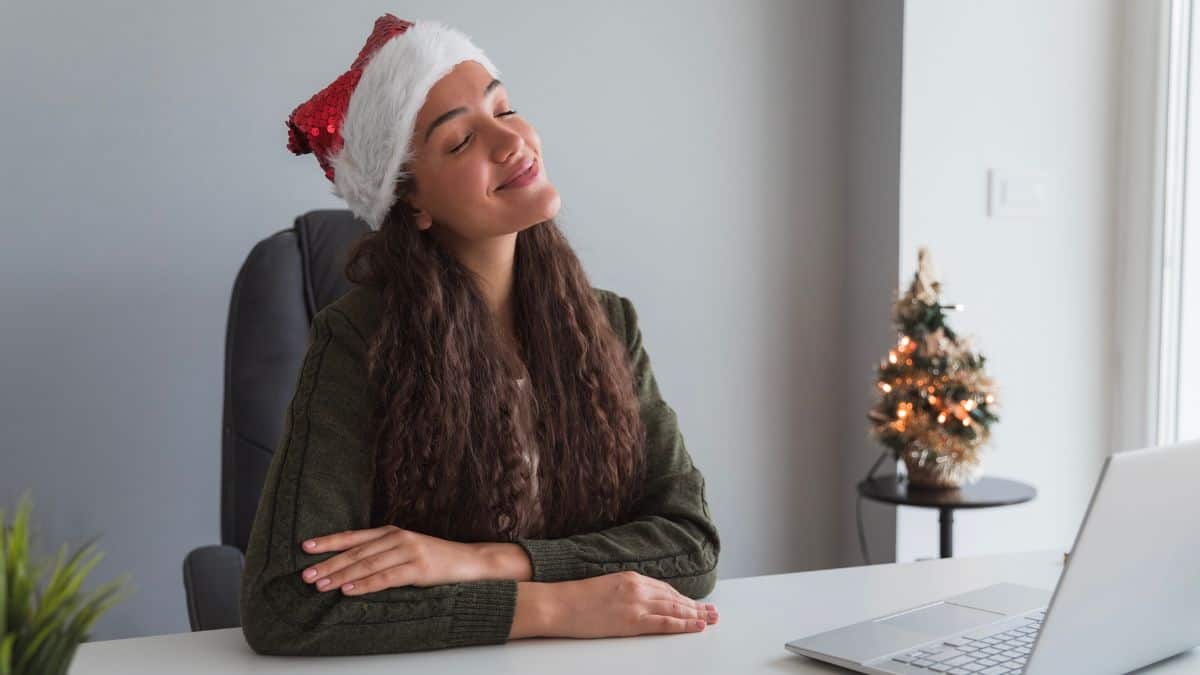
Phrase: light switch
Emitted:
{"points": [[1018, 194]]}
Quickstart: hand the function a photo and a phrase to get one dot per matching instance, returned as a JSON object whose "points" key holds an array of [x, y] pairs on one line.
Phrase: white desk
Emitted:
{"points": [[758, 615]]}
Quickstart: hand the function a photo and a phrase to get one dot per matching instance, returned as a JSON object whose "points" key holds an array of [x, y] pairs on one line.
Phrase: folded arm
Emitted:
{"points": [[672, 536], [319, 482]]}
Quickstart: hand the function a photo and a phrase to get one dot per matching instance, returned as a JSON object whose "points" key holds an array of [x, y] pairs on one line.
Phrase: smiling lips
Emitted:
{"points": [[521, 177]]}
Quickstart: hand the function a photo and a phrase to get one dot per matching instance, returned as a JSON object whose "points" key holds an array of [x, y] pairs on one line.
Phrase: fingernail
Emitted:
{"points": [[348, 587], [322, 583], [310, 544], [700, 625], [712, 616], [310, 574]]}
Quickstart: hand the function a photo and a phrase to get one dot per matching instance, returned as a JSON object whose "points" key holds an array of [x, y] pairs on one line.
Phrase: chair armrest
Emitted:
{"points": [[212, 580]]}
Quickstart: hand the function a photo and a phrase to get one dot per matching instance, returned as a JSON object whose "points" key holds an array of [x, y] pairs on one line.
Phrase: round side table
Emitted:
{"points": [[985, 493]]}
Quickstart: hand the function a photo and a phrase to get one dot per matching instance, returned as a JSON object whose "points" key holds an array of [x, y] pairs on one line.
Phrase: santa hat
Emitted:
{"points": [[361, 125]]}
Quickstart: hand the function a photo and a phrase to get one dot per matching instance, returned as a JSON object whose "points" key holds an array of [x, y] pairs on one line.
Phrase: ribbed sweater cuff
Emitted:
{"points": [[484, 613], [553, 559]]}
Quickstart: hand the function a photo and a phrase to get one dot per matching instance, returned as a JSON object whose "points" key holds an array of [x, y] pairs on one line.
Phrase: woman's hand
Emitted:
{"points": [[388, 556], [623, 604]]}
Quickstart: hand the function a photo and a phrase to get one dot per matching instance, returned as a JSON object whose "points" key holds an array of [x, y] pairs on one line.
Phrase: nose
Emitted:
{"points": [[507, 142]]}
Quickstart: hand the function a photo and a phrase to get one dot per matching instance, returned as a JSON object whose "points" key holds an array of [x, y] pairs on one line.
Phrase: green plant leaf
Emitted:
{"points": [[54, 625], [53, 587], [99, 594], [61, 593], [20, 591], [40, 629], [65, 651], [20, 531], [6, 648], [19, 605], [56, 575], [43, 660], [72, 584], [3, 577], [101, 600]]}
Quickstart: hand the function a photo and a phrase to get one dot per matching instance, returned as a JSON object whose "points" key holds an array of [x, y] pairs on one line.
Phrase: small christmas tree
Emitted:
{"points": [[936, 403]]}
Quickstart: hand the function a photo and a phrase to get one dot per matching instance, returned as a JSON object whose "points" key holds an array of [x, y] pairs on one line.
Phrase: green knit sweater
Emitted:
{"points": [[320, 482]]}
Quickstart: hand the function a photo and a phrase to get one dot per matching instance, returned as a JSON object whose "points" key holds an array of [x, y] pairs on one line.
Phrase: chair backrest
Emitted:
{"points": [[286, 279]]}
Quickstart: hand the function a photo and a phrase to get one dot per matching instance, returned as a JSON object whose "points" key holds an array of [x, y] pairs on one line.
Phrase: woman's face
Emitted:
{"points": [[466, 144]]}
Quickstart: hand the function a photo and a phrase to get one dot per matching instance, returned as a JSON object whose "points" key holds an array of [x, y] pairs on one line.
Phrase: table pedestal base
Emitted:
{"points": [[946, 522]]}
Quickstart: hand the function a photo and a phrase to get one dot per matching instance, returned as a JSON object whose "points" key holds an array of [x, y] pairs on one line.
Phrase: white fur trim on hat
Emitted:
{"points": [[382, 112]]}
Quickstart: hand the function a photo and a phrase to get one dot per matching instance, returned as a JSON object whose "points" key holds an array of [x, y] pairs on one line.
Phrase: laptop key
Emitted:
{"points": [[959, 642], [936, 649], [994, 670], [945, 655], [939, 667]]}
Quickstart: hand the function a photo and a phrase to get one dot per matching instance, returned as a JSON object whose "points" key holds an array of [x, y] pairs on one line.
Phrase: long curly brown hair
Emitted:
{"points": [[450, 421]]}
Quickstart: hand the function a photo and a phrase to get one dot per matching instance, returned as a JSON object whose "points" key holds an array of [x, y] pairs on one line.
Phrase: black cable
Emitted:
{"points": [[862, 536]]}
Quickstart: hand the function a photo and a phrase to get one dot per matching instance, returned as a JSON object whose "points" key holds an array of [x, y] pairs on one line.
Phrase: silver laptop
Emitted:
{"points": [[1128, 596]]}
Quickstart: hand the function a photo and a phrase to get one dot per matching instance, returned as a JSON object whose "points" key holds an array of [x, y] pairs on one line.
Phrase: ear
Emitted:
{"points": [[424, 220], [421, 216]]}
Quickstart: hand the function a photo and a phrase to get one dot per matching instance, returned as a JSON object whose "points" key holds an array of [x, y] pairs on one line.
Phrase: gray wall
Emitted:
{"points": [[698, 147], [874, 54], [1037, 289]]}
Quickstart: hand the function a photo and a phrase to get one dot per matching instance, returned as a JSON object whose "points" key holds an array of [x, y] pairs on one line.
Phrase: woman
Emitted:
{"points": [[477, 449]]}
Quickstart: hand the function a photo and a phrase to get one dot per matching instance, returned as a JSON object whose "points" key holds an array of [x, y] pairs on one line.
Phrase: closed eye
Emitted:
{"points": [[460, 146]]}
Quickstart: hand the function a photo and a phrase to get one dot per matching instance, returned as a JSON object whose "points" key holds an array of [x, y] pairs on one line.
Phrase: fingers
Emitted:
{"points": [[400, 575], [355, 563], [660, 607], [681, 609], [357, 572], [655, 623], [684, 608], [344, 540], [707, 608]]}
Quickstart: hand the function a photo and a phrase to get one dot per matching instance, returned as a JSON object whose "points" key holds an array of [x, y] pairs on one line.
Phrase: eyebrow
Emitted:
{"points": [[451, 114]]}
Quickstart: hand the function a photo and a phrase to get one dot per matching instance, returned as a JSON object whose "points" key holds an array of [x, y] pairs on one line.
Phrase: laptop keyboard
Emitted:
{"points": [[1001, 653]]}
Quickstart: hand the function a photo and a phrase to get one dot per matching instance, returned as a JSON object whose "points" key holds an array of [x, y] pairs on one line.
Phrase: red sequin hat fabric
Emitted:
{"points": [[360, 126]]}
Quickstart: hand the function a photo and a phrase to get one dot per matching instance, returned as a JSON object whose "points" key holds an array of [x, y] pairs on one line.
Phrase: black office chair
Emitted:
{"points": [[286, 279]]}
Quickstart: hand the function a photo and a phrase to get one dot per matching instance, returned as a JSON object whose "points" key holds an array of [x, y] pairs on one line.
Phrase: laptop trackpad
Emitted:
{"points": [[941, 619]]}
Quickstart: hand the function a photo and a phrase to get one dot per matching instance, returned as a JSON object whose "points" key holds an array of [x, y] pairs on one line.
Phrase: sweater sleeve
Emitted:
{"points": [[320, 482], [672, 536]]}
